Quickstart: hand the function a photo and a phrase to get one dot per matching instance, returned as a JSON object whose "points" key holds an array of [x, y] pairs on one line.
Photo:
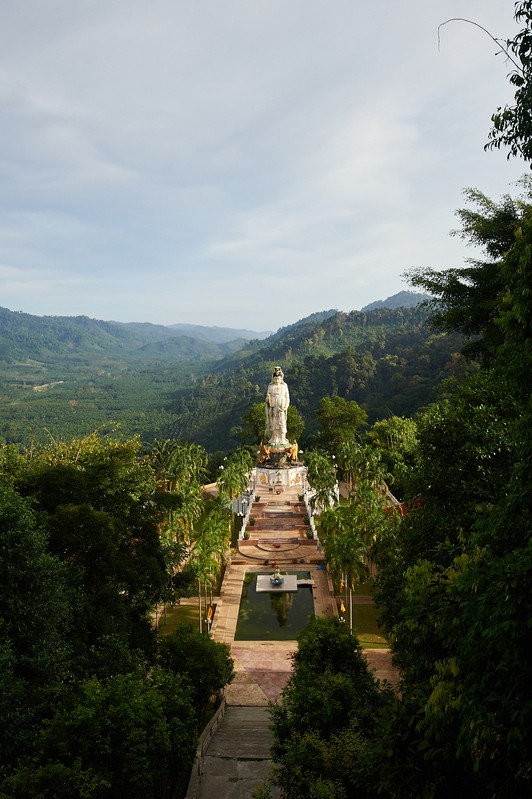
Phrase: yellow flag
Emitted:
{"points": [[342, 607]]}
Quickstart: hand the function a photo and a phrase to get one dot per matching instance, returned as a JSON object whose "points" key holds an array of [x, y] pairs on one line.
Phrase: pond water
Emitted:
{"points": [[273, 616]]}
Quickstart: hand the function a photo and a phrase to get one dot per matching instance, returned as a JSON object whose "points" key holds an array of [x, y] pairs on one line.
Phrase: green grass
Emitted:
{"points": [[364, 589], [365, 624], [178, 616]]}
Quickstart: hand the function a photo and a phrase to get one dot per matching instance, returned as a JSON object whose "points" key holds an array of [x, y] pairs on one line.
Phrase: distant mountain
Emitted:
{"points": [[92, 342], [146, 330], [324, 334], [388, 360], [220, 335], [403, 299], [308, 321], [180, 348], [23, 335], [67, 376]]}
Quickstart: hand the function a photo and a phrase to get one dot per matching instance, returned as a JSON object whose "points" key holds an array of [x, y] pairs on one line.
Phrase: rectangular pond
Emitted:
{"points": [[273, 615]]}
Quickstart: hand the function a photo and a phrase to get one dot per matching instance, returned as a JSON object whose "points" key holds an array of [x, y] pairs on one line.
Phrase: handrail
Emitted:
{"points": [[203, 745]]}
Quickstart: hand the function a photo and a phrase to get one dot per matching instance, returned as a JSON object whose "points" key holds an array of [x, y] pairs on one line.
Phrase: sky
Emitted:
{"points": [[242, 163]]}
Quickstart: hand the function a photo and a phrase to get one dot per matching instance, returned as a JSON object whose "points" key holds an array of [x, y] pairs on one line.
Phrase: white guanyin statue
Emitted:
{"points": [[277, 402]]}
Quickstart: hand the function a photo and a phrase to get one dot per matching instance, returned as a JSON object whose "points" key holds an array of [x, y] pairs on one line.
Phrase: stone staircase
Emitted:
{"points": [[279, 530], [237, 758]]}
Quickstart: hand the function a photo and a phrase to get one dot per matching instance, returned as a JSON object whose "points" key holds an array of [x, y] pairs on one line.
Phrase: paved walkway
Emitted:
{"points": [[237, 758]]}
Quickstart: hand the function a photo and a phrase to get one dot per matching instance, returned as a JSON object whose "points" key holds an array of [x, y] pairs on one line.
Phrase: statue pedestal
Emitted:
{"points": [[281, 477], [277, 457]]}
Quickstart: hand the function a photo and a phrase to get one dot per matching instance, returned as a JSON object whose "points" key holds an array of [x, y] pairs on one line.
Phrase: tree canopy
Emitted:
{"points": [[512, 125], [470, 298]]}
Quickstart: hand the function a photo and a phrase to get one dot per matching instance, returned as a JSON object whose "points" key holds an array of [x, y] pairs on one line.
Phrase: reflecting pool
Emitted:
{"points": [[276, 615]]}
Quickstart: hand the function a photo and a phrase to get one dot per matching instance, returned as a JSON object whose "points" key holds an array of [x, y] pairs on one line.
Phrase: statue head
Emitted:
{"points": [[278, 372]]}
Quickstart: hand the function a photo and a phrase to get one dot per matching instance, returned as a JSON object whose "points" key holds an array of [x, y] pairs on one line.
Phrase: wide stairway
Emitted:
{"points": [[238, 757], [279, 529]]}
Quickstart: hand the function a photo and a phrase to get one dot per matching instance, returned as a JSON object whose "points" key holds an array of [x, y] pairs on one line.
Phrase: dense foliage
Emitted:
{"points": [[89, 544], [512, 125], [454, 578], [326, 727]]}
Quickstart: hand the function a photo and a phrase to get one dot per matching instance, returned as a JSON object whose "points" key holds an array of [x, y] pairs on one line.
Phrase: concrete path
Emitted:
{"points": [[238, 759]]}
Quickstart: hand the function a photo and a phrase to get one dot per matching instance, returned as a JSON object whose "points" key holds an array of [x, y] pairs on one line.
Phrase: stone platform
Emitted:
{"points": [[264, 584]]}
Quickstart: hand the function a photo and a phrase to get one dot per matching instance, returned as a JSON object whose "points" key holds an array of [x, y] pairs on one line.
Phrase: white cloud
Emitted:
{"points": [[174, 158]]}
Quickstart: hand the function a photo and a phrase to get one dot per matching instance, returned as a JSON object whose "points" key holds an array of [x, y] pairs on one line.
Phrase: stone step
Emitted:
{"points": [[297, 543], [268, 542], [279, 515], [297, 521], [278, 505], [238, 757], [244, 733]]}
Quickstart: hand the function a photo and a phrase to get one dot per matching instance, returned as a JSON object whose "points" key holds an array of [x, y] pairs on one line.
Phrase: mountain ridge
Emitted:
{"points": [[36, 333], [68, 377]]}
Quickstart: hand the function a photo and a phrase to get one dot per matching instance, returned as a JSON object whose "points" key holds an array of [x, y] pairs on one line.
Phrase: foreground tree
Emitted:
{"points": [[205, 665], [456, 589], [469, 299], [129, 736], [326, 728], [512, 125], [94, 497], [35, 627]]}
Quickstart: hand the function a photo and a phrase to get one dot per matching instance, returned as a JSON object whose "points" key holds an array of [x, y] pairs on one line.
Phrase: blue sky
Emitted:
{"points": [[241, 163]]}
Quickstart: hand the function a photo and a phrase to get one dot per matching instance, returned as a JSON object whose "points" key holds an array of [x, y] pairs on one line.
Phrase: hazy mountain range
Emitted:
{"points": [[68, 376], [45, 338]]}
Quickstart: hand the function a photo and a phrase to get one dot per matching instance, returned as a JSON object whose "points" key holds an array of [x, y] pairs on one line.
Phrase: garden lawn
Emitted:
{"points": [[178, 616]]}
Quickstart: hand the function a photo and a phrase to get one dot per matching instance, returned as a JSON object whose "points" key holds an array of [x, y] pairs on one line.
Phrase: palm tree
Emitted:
{"points": [[206, 567], [321, 475], [234, 478], [334, 521], [180, 469], [178, 463], [211, 547], [346, 554], [371, 468], [217, 528], [348, 459], [362, 462], [234, 474]]}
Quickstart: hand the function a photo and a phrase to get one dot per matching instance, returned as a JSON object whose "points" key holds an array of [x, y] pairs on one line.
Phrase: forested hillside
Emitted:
{"points": [[28, 341], [68, 377], [389, 361]]}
